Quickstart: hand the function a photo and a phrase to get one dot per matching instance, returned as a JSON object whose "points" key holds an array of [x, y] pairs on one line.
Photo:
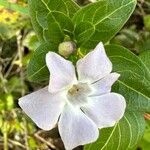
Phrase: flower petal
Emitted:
{"points": [[103, 86], [62, 72], [94, 65], [76, 128], [105, 110], [42, 107]]}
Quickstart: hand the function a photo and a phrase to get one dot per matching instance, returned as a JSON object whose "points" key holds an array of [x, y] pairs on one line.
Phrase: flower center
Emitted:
{"points": [[78, 93]]}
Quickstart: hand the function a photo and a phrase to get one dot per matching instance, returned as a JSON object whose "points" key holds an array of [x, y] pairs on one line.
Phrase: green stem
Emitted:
{"points": [[5, 141]]}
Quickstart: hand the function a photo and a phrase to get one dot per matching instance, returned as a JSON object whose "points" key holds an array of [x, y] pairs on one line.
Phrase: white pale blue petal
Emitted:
{"points": [[76, 128], [95, 65], [105, 110], [103, 86], [42, 107], [79, 107], [62, 72]]}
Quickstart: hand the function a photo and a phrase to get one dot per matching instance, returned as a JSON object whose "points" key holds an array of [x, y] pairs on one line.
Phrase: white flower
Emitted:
{"points": [[80, 104]]}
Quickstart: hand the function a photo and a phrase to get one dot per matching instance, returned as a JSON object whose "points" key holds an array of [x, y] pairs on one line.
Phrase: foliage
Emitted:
{"points": [[14, 6], [61, 20]]}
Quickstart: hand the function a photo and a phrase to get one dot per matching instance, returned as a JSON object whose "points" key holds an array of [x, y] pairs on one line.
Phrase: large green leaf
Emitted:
{"points": [[37, 69], [40, 9], [59, 25], [123, 136], [145, 58], [134, 85], [134, 82], [104, 19]]}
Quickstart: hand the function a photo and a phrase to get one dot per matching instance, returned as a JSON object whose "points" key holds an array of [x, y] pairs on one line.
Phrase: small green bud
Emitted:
{"points": [[66, 48]]}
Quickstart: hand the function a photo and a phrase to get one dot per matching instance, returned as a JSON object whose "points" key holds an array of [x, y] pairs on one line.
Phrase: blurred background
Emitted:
{"points": [[17, 43]]}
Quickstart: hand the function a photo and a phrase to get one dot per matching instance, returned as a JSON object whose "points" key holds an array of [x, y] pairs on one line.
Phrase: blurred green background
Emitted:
{"points": [[17, 43]]}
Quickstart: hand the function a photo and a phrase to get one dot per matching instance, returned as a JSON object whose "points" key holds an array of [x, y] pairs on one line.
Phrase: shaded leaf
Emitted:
{"points": [[145, 58], [106, 17], [39, 11], [123, 136], [134, 85], [59, 25], [37, 69], [134, 82]]}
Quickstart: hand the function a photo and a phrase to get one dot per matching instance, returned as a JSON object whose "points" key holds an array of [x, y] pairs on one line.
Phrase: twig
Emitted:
{"points": [[5, 136], [43, 140], [20, 54], [147, 116], [13, 142], [11, 66], [142, 12], [26, 134], [3, 81], [16, 143]]}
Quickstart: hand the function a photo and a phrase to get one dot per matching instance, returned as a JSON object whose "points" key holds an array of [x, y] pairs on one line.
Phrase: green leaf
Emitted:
{"points": [[145, 142], [134, 85], [83, 32], [123, 136], [15, 7], [31, 41], [39, 11], [37, 69], [145, 58], [59, 25], [6, 31], [105, 18], [134, 82], [147, 21]]}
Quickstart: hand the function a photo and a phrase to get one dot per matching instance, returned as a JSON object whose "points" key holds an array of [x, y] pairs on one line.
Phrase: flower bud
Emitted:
{"points": [[67, 48]]}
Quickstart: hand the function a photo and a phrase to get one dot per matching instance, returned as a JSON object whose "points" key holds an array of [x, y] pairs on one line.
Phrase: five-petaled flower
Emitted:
{"points": [[80, 103]]}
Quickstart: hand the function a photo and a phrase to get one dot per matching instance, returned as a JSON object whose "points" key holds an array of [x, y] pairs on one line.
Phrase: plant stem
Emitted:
{"points": [[5, 141], [20, 54], [26, 134]]}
